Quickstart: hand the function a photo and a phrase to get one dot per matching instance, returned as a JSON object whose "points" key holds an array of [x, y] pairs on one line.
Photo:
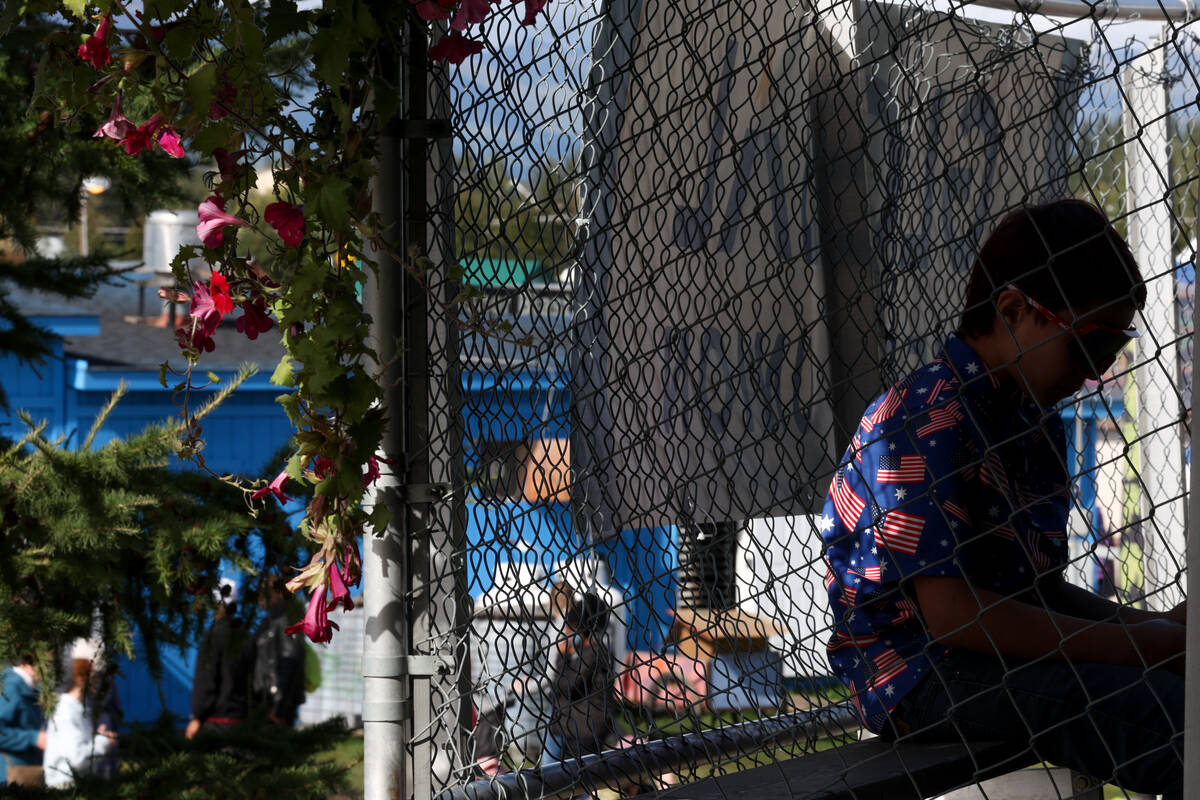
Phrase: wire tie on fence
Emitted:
{"points": [[424, 492]]}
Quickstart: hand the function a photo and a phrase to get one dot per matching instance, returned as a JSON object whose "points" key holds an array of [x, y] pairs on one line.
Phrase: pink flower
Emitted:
{"points": [[275, 487], [95, 49], [469, 13], [168, 140], [254, 320], [288, 220], [142, 137], [532, 9], [219, 107], [213, 221], [316, 624], [338, 593], [372, 473], [205, 310], [118, 126], [455, 48]]}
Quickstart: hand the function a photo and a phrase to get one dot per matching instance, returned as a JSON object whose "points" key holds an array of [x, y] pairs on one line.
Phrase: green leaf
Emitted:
{"points": [[214, 377], [212, 136], [282, 376], [76, 7], [181, 41], [162, 374], [330, 200], [202, 86]]}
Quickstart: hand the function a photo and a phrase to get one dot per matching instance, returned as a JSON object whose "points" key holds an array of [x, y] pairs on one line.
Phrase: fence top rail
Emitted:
{"points": [[1146, 10]]}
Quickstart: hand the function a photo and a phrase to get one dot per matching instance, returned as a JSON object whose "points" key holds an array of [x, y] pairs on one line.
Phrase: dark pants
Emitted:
{"points": [[1122, 725]]}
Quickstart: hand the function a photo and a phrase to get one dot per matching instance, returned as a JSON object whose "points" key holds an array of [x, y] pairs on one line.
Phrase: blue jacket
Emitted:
{"points": [[20, 722]]}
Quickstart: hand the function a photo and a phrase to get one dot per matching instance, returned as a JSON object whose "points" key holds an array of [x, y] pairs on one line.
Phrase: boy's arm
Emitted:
{"points": [[962, 616], [1076, 601]]}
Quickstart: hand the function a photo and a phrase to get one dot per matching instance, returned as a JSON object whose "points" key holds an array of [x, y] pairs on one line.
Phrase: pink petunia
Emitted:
{"points": [[204, 309], [254, 320], [275, 487], [338, 593], [214, 220], [287, 220], [142, 137], [118, 126], [95, 49], [470, 12], [168, 140], [532, 9], [316, 624], [455, 48]]}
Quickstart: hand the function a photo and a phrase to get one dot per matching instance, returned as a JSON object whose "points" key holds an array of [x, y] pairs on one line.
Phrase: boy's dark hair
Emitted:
{"points": [[1064, 254], [586, 614]]}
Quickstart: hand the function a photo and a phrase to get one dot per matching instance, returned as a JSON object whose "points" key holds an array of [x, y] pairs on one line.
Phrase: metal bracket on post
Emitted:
{"points": [[421, 666], [414, 493]]}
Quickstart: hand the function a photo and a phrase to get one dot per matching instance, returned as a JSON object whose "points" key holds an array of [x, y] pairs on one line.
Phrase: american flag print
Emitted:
{"points": [[848, 505], [940, 419], [885, 410], [901, 469], [890, 664], [905, 500], [900, 531]]}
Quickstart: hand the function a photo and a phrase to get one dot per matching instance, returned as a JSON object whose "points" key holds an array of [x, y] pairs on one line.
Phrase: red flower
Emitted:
{"points": [[288, 220], [275, 487], [142, 137], [338, 593], [213, 221], [254, 320], [469, 13], [532, 9], [316, 624], [194, 337], [168, 140], [218, 287], [95, 49], [227, 162], [219, 107], [322, 467], [455, 48], [118, 126]]}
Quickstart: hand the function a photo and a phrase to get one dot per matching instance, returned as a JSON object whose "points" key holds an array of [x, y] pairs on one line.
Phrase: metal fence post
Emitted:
{"points": [[414, 588], [1160, 411]]}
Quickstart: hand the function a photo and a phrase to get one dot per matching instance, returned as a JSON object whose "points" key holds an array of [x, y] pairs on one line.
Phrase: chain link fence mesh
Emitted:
{"points": [[698, 241]]}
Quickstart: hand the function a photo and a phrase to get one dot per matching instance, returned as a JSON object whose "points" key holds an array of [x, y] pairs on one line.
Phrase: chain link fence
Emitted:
{"points": [[700, 240]]}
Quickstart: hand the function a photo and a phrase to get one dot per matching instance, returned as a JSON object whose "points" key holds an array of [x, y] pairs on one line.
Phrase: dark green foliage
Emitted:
{"points": [[255, 760], [111, 537]]}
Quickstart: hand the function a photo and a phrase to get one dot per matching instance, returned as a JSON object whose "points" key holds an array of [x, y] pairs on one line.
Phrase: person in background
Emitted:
{"points": [[74, 745], [278, 681], [581, 682], [221, 686], [22, 739]]}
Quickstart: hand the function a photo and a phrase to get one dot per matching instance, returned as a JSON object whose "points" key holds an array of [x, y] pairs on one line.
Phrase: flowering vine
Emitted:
{"points": [[290, 103]]}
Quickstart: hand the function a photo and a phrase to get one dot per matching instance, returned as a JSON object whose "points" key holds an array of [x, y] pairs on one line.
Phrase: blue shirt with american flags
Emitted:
{"points": [[952, 472]]}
